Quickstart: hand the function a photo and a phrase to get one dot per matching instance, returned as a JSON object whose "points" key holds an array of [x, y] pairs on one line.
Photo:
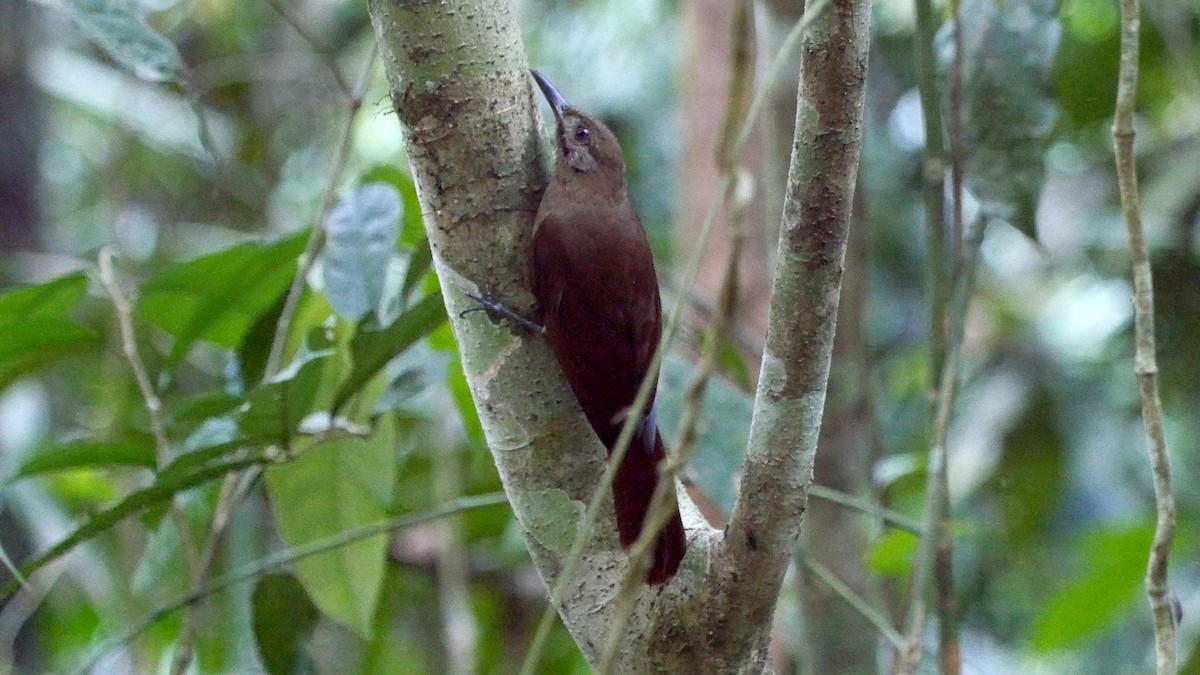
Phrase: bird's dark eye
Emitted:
{"points": [[582, 134]]}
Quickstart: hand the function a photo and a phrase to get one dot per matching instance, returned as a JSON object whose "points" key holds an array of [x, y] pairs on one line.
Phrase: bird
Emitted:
{"points": [[592, 274]]}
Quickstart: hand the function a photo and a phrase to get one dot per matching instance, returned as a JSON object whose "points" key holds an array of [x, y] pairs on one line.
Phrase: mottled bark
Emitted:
{"points": [[840, 639], [458, 80], [795, 367]]}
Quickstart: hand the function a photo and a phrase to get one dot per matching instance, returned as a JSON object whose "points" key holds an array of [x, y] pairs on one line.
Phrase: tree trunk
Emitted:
{"points": [[21, 122], [458, 80]]}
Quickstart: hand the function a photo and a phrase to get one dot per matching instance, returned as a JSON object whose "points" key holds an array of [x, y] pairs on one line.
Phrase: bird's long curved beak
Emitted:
{"points": [[557, 103]]}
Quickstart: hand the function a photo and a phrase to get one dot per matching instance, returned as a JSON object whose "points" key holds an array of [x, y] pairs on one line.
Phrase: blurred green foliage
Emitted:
{"points": [[197, 141]]}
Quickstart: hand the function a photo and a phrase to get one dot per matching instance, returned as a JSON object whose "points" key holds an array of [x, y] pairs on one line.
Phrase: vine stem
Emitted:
{"points": [[1145, 366]]}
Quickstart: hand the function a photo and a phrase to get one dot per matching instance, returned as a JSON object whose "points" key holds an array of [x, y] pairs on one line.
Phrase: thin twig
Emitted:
{"points": [[943, 571], [12, 569], [129, 347], [150, 398], [1145, 366], [909, 659], [285, 558], [860, 605], [153, 404], [604, 488], [734, 201], [933, 174], [867, 507], [777, 67], [317, 239], [317, 45]]}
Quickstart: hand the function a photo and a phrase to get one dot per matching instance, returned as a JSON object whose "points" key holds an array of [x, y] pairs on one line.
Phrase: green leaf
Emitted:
{"points": [[37, 342], [255, 349], [53, 299], [333, 486], [273, 409], [284, 618], [220, 296], [133, 449], [162, 490], [1111, 580], [1008, 107], [360, 241], [113, 25], [373, 349], [412, 234], [209, 456], [892, 554], [36, 326], [408, 601], [203, 406], [722, 432]]}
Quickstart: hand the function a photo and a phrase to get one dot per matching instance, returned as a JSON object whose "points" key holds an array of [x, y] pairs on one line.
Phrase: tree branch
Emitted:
{"points": [[766, 519], [459, 82]]}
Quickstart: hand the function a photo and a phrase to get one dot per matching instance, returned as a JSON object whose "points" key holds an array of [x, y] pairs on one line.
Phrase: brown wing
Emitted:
{"points": [[593, 276]]}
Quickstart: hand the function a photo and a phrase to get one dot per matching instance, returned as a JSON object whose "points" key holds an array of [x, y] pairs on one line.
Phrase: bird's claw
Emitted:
{"points": [[497, 310]]}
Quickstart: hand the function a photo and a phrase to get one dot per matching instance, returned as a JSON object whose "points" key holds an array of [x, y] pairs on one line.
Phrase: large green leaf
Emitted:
{"points": [[35, 326], [1008, 106], [220, 296], [37, 342], [332, 486], [114, 26], [360, 243]]}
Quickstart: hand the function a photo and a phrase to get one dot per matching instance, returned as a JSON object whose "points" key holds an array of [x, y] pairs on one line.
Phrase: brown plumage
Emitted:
{"points": [[593, 276]]}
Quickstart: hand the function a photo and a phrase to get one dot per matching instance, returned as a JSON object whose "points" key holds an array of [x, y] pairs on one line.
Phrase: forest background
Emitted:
{"points": [[163, 164]]}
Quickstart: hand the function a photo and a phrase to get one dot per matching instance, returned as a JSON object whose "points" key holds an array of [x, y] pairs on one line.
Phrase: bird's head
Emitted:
{"points": [[585, 144]]}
